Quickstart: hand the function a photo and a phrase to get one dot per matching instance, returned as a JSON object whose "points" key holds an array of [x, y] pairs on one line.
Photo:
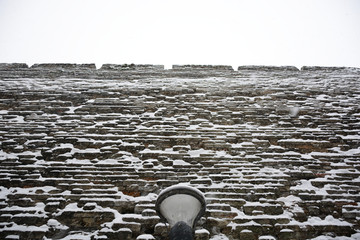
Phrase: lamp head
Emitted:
{"points": [[180, 203]]}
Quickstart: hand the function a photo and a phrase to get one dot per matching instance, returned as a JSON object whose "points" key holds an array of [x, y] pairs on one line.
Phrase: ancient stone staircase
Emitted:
{"points": [[85, 151]]}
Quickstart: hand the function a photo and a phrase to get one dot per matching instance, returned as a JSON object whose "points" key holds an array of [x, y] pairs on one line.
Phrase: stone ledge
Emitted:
{"points": [[13, 66], [121, 67], [65, 66], [202, 67], [268, 68], [328, 69]]}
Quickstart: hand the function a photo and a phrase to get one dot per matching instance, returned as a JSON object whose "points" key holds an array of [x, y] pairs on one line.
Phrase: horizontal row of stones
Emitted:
{"points": [[119, 67]]}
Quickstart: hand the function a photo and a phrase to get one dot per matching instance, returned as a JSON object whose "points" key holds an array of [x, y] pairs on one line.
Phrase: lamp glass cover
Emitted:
{"points": [[180, 207]]}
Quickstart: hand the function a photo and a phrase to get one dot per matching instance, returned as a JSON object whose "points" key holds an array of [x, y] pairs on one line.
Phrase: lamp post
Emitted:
{"points": [[181, 206]]}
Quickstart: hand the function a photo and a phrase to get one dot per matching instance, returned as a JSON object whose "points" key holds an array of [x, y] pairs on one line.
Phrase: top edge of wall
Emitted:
{"points": [[267, 68], [135, 67]]}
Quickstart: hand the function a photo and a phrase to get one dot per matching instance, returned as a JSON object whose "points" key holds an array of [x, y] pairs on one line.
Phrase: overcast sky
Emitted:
{"points": [[226, 32]]}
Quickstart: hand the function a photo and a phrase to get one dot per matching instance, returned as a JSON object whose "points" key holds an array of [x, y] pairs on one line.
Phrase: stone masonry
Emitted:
{"points": [[84, 152]]}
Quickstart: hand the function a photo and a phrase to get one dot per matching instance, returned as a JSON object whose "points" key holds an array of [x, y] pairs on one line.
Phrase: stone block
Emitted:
{"points": [[286, 234], [247, 235], [161, 230], [202, 234], [135, 227]]}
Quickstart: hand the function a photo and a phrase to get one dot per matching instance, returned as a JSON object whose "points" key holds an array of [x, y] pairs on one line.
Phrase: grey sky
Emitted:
{"points": [[231, 32]]}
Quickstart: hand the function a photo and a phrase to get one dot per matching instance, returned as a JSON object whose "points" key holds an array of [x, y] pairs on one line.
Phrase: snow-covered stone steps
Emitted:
{"points": [[313, 228], [32, 221], [134, 227], [15, 231], [22, 218], [351, 213], [263, 219], [336, 181], [277, 146], [247, 196], [312, 197]]}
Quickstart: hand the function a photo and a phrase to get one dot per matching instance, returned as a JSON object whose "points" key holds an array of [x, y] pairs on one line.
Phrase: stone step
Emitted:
{"points": [[218, 206], [322, 182], [308, 231], [223, 214], [24, 218], [11, 231], [232, 188], [135, 227], [149, 221], [311, 197], [248, 197], [251, 208], [263, 219]]}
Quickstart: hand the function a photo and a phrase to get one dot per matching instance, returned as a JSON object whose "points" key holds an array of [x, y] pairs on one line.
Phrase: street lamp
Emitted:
{"points": [[181, 206]]}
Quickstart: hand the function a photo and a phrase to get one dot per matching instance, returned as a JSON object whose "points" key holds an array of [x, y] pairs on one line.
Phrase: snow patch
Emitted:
{"points": [[219, 237], [180, 163]]}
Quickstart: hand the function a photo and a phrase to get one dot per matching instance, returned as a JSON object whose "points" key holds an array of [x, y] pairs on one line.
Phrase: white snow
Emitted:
{"points": [[267, 237], [25, 228], [145, 237], [219, 237], [199, 152], [180, 163], [57, 225], [202, 231], [316, 221], [328, 220]]}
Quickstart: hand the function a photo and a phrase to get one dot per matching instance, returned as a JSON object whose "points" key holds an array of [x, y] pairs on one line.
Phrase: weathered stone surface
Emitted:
{"points": [[85, 151]]}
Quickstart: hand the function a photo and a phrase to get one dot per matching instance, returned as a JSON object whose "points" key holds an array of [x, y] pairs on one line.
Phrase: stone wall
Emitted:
{"points": [[85, 151]]}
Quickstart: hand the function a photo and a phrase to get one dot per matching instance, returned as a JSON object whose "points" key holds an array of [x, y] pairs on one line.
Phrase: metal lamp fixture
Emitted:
{"points": [[181, 206]]}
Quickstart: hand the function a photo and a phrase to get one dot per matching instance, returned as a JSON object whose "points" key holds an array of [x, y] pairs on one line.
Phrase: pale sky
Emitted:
{"points": [[224, 32]]}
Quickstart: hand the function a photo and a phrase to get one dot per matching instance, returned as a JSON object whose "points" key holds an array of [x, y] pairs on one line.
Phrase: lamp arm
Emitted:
{"points": [[181, 231]]}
